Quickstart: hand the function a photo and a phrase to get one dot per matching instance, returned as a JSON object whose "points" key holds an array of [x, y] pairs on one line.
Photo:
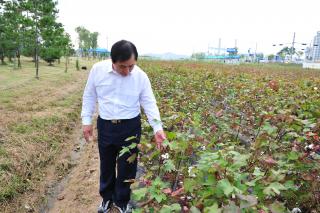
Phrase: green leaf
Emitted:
{"points": [[124, 150], [138, 194], [166, 143], [278, 207], [172, 208], [257, 172], [189, 185], [156, 190], [269, 129], [231, 208], [130, 138], [132, 146], [293, 155], [171, 135], [132, 158], [290, 185], [169, 166], [194, 209], [212, 209], [275, 187], [160, 197], [225, 186], [247, 201]]}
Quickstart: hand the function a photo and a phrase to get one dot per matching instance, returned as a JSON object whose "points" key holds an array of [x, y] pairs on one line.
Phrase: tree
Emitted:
{"points": [[67, 48], [84, 40], [2, 36], [94, 41], [299, 54], [271, 57], [286, 51], [87, 40], [199, 55], [29, 27], [11, 30]]}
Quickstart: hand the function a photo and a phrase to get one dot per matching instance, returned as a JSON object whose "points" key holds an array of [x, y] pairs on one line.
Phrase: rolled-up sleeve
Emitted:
{"points": [[89, 99], [149, 105]]}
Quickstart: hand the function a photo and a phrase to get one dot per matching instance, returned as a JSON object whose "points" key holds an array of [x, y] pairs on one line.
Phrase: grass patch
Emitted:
{"points": [[36, 124], [35, 143], [10, 186]]}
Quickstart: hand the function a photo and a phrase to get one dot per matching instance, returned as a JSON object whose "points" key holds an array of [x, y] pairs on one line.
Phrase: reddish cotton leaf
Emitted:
{"points": [[200, 206], [270, 161], [274, 85], [177, 192], [213, 128], [307, 177], [167, 191], [146, 182], [219, 113]]}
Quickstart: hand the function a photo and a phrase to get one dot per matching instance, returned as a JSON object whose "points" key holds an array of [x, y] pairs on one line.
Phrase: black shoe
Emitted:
{"points": [[105, 206]]}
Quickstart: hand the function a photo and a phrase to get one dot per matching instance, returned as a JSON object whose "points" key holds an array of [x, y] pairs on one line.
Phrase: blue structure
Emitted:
{"points": [[99, 50], [222, 57], [232, 50]]}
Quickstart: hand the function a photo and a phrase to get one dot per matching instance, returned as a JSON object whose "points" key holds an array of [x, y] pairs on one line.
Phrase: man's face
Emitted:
{"points": [[124, 67]]}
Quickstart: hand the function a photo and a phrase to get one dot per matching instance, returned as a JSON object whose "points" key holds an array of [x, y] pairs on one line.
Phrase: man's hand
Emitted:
{"points": [[87, 132], [160, 136]]}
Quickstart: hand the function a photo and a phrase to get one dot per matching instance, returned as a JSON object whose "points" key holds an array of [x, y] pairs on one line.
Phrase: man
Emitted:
{"points": [[120, 87]]}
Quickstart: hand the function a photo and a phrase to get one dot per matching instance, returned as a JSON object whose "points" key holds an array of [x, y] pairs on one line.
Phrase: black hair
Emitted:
{"points": [[123, 50]]}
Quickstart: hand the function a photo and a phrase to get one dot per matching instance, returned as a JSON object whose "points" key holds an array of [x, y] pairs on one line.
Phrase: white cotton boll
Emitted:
{"points": [[309, 147], [191, 174], [296, 210], [165, 156], [315, 88], [203, 148]]}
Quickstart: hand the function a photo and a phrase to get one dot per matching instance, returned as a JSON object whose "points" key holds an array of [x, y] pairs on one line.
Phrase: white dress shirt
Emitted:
{"points": [[119, 97]]}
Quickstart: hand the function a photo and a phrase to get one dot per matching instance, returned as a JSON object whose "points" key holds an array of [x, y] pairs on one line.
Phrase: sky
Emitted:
{"points": [[189, 26]]}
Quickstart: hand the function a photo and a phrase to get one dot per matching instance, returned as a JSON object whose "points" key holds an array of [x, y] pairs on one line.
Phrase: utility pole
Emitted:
{"points": [[219, 47], [292, 48], [107, 44], [37, 43], [255, 52]]}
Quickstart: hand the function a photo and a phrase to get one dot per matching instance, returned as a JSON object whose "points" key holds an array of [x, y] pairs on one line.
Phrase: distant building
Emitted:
{"points": [[313, 52]]}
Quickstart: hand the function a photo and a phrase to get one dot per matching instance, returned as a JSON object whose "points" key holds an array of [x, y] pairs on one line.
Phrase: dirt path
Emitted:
{"points": [[78, 191]]}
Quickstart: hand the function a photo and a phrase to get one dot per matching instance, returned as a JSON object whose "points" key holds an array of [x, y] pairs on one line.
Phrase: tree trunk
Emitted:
{"points": [[66, 69], [19, 61], [2, 58], [35, 57]]}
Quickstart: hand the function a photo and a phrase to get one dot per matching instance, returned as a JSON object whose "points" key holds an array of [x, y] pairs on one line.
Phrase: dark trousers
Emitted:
{"points": [[115, 170]]}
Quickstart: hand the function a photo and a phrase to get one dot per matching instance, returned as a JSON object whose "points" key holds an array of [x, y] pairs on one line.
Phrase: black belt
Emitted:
{"points": [[118, 121]]}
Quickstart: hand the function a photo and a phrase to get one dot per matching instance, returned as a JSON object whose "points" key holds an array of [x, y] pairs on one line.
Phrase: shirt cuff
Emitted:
{"points": [[156, 128], [86, 120]]}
